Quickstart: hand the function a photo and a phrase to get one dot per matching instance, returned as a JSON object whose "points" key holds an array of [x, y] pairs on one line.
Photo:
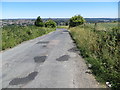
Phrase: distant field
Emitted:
{"points": [[100, 47], [13, 35], [65, 27], [102, 26], [99, 26]]}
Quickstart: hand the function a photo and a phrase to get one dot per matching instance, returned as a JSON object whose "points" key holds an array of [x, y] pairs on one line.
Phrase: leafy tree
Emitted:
{"points": [[66, 23], [76, 21], [39, 22], [50, 23]]}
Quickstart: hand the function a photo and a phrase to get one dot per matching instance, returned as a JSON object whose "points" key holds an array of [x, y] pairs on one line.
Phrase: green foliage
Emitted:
{"points": [[50, 24], [76, 21], [13, 35], [101, 48], [103, 26], [39, 22]]}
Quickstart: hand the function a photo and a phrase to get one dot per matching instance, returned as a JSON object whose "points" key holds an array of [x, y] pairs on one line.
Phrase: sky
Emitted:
{"points": [[12, 10], [60, 0]]}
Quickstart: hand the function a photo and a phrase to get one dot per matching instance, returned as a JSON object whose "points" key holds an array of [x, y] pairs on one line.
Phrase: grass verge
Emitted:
{"points": [[14, 35], [102, 50]]}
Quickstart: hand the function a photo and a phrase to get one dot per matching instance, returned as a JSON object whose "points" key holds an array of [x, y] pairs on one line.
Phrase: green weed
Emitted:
{"points": [[101, 48], [13, 35]]}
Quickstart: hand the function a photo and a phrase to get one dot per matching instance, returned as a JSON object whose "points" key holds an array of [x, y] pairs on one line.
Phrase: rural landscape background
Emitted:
{"points": [[92, 25]]}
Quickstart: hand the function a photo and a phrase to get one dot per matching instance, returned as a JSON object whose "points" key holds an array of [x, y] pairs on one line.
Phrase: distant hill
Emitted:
{"points": [[101, 19], [59, 21], [63, 21]]}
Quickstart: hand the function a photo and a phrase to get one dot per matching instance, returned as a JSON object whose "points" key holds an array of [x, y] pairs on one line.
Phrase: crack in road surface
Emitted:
{"points": [[40, 59], [63, 58], [65, 31], [74, 49], [24, 80], [43, 42], [44, 46]]}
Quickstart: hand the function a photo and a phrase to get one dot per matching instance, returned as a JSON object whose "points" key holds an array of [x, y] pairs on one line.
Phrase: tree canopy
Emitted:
{"points": [[76, 21], [39, 22], [50, 23]]}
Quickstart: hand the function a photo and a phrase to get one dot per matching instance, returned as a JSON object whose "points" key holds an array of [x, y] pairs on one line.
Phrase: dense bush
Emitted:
{"points": [[50, 24], [13, 35], [76, 21], [39, 22], [101, 49]]}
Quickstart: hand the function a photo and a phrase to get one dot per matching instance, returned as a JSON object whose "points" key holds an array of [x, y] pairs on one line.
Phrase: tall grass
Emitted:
{"points": [[13, 35], [101, 49]]}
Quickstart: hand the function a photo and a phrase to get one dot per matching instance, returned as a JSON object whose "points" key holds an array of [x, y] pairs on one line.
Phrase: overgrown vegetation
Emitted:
{"points": [[76, 21], [100, 46], [13, 35], [49, 23], [39, 22]]}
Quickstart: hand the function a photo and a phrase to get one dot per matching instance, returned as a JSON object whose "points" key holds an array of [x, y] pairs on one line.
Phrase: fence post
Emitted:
{"points": [[95, 27]]}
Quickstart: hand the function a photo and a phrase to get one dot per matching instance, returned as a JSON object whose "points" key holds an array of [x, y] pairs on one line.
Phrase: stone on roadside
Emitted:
{"points": [[108, 84], [89, 66], [88, 71]]}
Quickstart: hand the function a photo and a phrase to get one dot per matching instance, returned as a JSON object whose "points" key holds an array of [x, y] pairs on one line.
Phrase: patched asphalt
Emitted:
{"points": [[49, 61]]}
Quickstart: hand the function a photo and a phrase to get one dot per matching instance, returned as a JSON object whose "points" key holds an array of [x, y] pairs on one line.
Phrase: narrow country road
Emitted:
{"points": [[50, 61]]}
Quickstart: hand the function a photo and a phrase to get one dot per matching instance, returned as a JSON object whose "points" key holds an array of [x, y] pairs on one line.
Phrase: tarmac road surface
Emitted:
{"points": [[49, 61]]}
